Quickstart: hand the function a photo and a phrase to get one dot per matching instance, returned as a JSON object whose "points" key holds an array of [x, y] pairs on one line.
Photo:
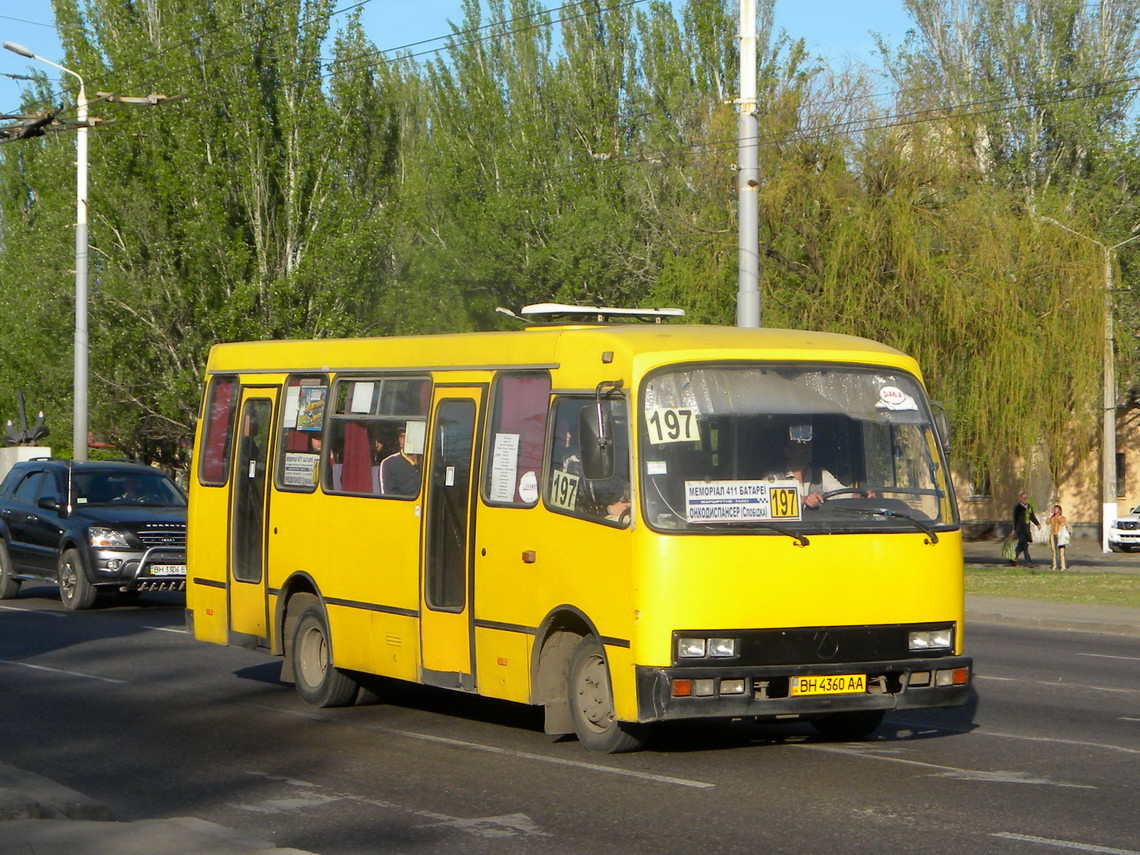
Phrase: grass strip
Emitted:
{"points": [[1104, 589]]}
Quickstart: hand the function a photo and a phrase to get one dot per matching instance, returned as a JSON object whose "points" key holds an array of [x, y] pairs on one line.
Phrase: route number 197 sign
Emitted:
{"points": [[741, 501]]}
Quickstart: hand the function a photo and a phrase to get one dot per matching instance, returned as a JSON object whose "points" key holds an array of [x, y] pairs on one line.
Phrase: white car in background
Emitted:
{"points": [[1124, 533]]}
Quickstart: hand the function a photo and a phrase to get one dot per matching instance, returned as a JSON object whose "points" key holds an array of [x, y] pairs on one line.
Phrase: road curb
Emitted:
{"points": [[25, 795], [182, 835], [38, 815], [1104, 627]]}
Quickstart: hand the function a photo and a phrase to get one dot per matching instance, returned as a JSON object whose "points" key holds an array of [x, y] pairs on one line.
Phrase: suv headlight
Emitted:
{"points": [[107, 538]]}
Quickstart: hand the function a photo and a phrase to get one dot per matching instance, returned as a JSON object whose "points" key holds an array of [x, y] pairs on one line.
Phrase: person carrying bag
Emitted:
{"points": [[1058, 536]]}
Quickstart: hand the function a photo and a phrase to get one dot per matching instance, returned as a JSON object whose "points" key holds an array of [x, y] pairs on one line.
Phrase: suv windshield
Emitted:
{"points": [[117, 486], [795, 448]]}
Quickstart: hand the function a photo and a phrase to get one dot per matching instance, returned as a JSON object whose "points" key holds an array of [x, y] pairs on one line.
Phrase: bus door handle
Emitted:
{"points": [[528, 556]]}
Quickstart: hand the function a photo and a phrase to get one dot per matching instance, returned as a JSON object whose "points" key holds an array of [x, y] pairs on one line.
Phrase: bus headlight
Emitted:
{"points": [[931, 639], [691, 648], [722, 647]]}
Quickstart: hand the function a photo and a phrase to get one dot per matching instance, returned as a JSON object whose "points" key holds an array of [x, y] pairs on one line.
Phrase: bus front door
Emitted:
{"points": [[248, 511], [445, 625]]}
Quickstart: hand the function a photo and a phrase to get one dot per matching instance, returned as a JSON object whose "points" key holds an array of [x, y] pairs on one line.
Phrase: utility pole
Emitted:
{"points": [[79, 399], [748, 178], [79, 430]]}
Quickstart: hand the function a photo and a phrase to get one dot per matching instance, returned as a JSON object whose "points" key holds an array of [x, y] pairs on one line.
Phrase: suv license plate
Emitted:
{"points": [[832, 684], [168, 570]]}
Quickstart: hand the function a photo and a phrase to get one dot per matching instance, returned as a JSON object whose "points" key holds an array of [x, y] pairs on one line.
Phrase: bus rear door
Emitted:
{"points": [[449, 524], [248, 608]]}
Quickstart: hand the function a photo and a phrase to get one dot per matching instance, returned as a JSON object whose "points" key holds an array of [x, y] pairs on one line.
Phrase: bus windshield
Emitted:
{"points": [[793, 448]]}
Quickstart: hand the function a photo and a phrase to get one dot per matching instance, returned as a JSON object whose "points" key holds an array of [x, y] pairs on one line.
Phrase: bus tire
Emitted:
{"points": [[848, 726], [592, 703], [9, 586], [318, 681], [75, 590]]}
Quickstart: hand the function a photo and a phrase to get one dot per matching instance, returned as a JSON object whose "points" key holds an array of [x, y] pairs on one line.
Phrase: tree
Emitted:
{"points": [[221, 217]]}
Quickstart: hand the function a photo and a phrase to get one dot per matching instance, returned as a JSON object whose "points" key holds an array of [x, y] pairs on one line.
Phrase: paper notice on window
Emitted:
{"points": [[292, 408], [299, 468], [362, 397], [415, 432], [504, 466]]}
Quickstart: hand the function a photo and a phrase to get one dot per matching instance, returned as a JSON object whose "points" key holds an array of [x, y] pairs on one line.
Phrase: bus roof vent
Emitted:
{"points": [[562, 313]]}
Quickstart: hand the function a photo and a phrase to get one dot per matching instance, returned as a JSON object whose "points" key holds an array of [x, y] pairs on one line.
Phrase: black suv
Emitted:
{"points": [[87, 526]]}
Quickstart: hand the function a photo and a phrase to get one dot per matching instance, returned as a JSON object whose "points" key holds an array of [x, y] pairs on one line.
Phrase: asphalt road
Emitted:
{"points": [[121, 705]]}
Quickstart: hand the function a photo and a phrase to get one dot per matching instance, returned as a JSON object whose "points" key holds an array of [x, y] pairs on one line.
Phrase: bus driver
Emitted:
{"points": [[814, 482]]}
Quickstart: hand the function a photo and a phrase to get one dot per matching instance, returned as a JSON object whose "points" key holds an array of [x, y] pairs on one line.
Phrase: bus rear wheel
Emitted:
{"points": [[318, 681], [848, 726], [592, 703]]}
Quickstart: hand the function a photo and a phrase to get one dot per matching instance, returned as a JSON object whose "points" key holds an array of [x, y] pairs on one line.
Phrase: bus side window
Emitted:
{"points": [[302, 431], [217, 433], [368, 420], [518, 431], [569, 491]]}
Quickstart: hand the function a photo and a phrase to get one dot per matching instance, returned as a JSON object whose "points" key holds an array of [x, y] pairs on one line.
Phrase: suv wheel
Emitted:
{"points": [[9, 586], [74, 589]]}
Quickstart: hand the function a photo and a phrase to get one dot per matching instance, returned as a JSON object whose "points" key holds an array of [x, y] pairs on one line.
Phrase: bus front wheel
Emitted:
{"points": [[592, 703], [318, 681]]}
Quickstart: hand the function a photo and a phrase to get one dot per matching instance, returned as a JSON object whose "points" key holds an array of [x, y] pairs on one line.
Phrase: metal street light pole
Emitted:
{"points": [[748, 180], [1108, 441], [79, 403]]}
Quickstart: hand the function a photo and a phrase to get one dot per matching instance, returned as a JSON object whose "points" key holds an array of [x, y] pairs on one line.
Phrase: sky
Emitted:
{"points": [[835, 29]]}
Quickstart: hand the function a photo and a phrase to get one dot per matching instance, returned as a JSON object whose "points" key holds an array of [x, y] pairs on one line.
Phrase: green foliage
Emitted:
{"points": [[309, 186]]}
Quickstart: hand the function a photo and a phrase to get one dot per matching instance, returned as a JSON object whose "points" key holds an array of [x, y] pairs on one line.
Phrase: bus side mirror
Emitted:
{"points": [[942, 425], [596, 441]]}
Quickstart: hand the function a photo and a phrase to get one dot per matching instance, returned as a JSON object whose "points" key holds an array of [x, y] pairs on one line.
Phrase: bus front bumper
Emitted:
{"points": [[767, 691]]}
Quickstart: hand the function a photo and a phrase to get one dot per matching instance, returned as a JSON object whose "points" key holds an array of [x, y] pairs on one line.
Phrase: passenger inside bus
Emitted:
{"points": [[400, 472]]}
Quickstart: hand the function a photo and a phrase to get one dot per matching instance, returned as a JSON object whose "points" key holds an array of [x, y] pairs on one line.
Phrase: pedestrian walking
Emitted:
{"points": [[1023, 515]]}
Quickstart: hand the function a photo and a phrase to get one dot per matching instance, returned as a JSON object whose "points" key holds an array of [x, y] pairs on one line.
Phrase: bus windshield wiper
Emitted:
{"points": [[803, 540], [887, 512]]}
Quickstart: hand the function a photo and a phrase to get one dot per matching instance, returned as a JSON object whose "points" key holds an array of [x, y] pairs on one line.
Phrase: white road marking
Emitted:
{"points": [[289, 805], [32, 611], [490, 749], [1055, 741], [557, 761], [1127, 718], [505, 825], [1108, 656], [1066, 844], [1055, 684], [980, 731], [998, 777], [180, 631], [61, 671]]}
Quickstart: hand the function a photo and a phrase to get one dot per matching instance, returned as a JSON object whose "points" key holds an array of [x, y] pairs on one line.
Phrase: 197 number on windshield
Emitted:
{"points": [[785, 503], [672, 424]]}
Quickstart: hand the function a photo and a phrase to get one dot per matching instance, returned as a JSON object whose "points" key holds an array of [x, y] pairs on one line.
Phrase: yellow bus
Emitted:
{"points": [[622, 523]]}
